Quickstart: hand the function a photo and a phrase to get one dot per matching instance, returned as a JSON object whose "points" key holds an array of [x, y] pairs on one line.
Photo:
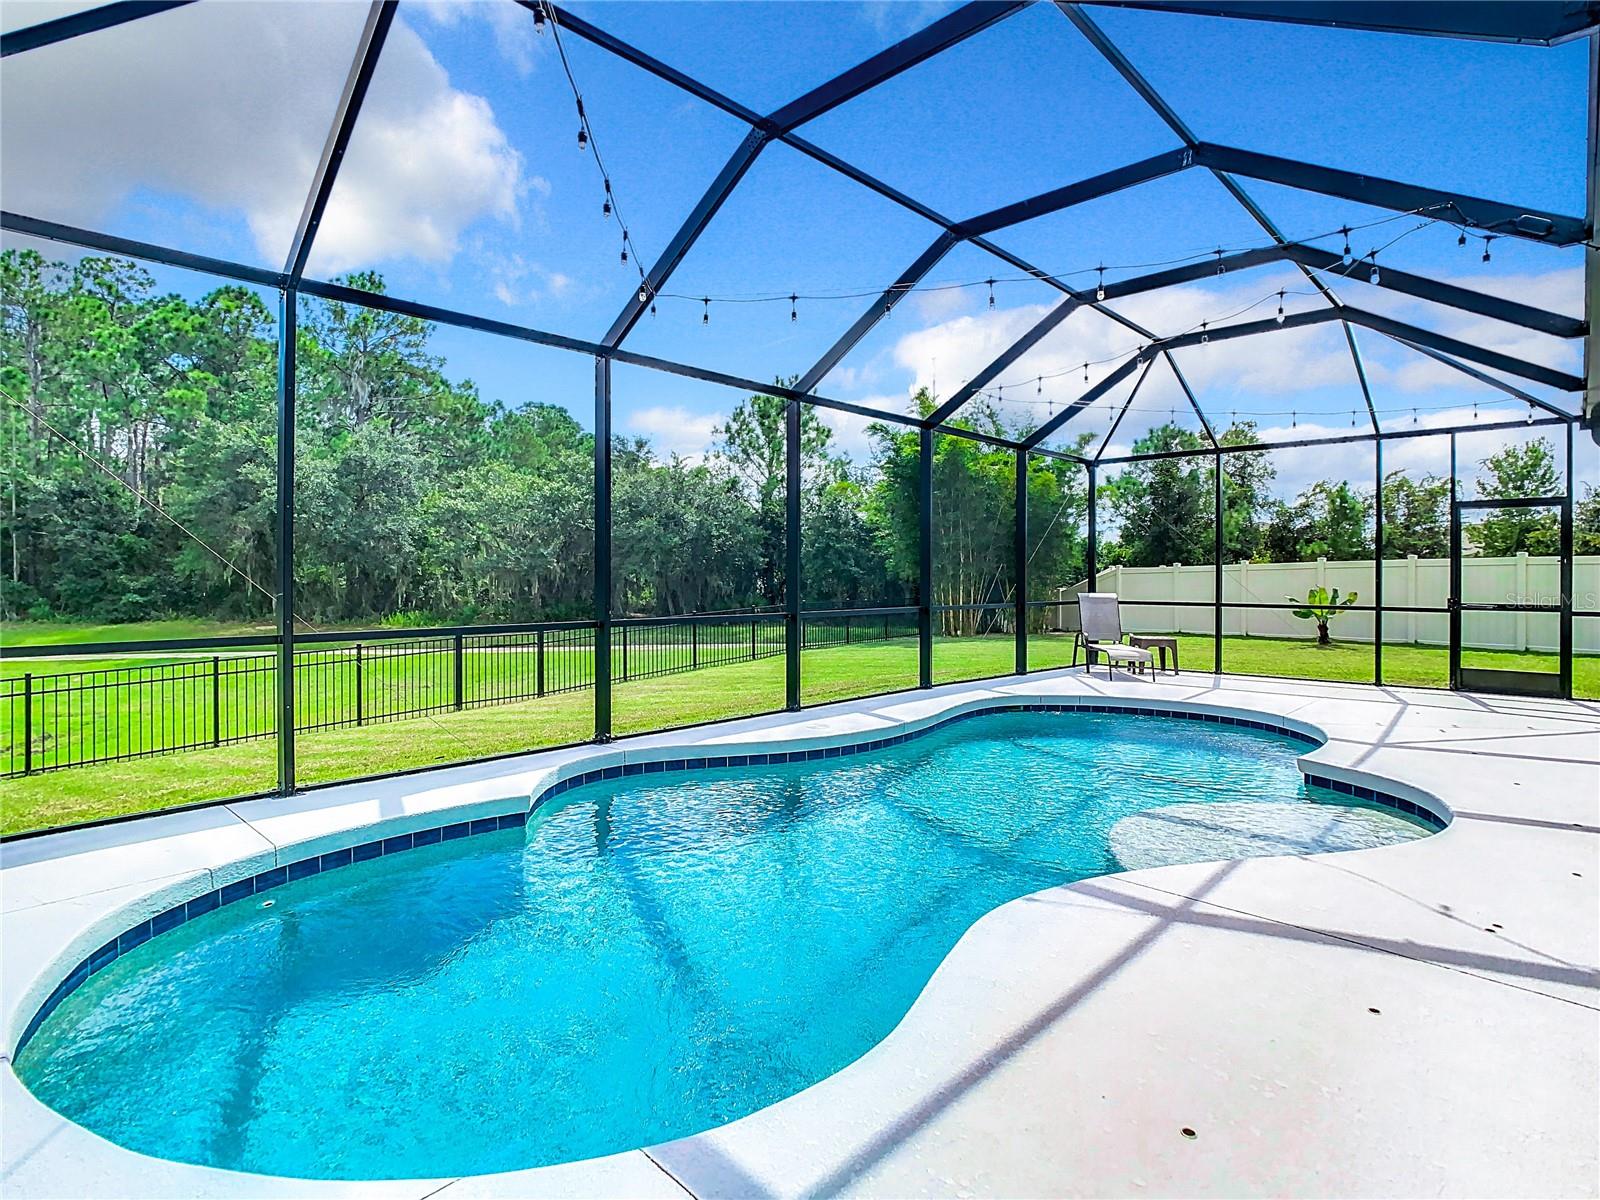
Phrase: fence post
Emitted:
{"points": [[624, 653], [459, 661], [1245, 595], [847, 631], [27, 723], [216, 700], [753, 641], [359, 715], [1411, 598], [694, 647], [1522, 598], [538, 683]]}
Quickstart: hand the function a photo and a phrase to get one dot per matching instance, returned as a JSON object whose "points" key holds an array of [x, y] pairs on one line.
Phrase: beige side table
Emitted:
{"points": [[1159, 643]]}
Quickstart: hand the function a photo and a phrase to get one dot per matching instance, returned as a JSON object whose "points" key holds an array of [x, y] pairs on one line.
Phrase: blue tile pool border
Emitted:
{"points": [[305, 868]]}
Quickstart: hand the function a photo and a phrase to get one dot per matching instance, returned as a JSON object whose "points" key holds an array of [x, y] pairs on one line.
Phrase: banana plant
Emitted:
{"points": [[1322, 606]]}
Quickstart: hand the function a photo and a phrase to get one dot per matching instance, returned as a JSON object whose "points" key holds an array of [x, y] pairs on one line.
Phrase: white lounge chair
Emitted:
{"points": [[1100, 632]]}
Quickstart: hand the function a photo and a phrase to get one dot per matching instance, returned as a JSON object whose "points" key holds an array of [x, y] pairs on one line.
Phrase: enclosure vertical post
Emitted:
{"points": [[791, 547], [694, 646], [360, 715], [1453, 602], [1091, 564], [925, 559], [602, 549], [458, 661], [27, 723], [538, 664], [288, 320], [216, 700], [1216, 565], [1020, 536], [1565, 599], [1377, 562], [1591, 253]]}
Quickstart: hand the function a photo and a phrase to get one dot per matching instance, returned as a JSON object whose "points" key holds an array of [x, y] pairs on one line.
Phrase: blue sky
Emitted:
{"points": [[465, 187]]}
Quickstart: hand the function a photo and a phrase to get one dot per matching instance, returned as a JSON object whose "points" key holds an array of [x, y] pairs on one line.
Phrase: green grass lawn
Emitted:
{"points": [[710, 693]]}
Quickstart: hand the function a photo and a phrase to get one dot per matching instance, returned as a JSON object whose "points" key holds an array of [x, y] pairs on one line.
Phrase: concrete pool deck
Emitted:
{"points": [[1072, 1036]]}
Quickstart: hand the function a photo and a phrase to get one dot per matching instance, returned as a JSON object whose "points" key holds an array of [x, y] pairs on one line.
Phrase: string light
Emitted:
{"points": [[1294, 420], [643, 294], [1221, 270], [1530, 412], [1474, 410], [583, 127], [1086, 372], [1280, 305], [1486, 242], [991, 294], [1204, 336], [1100, 288], [624, 248], [538, 19], [1347, 257], [1373, 277], [1461, 238], [705, 315], [605, 208], [794, 311]]}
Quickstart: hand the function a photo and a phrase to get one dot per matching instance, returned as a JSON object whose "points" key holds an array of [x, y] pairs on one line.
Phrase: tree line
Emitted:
{"points": [[141, 482]]}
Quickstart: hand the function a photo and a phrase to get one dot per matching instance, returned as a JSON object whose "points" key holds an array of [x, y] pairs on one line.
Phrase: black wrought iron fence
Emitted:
{"points": [[56, 719]]}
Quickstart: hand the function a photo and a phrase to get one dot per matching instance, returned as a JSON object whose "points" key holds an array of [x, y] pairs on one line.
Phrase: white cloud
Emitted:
{"points": [[228, 106], [515, 34], [673, 429]]}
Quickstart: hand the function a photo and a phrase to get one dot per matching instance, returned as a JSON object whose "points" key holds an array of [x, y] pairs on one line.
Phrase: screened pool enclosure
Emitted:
{"points": [[396, 385]]}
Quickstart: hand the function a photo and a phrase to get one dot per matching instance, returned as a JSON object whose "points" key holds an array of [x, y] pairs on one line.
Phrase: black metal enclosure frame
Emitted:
{"points": [[1538, 22]]}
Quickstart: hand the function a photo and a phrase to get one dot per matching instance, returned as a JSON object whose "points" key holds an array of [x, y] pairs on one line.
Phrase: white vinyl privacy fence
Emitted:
{"points": [[1409, 582]]}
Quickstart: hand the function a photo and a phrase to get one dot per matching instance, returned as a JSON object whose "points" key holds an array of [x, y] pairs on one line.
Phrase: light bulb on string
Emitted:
{"points": [[1086, 372], [1348, 259], [1220, 268], [1204, 336], [583, 128], [1280, 308], [1373, 276], [794, 311], [705, 315], [643, 294], [1530, 414], [991, 294], [605, 207], [1474, 410], [1413, 416], [1461, 238], [1486, 242], [1100, 288], [538, 19], [1294, 420]]}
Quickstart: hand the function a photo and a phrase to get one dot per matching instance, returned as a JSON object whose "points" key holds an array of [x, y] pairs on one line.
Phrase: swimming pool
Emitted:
{"points": [[651, 956]]}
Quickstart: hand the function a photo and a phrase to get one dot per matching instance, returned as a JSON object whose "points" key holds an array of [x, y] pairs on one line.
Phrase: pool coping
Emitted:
{"points": [[293, 838]]}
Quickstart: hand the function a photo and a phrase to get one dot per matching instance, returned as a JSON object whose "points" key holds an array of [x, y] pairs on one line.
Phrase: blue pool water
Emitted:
{"points": [[652, 956]]}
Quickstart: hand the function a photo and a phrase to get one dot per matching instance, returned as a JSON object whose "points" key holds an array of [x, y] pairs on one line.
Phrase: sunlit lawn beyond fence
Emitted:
{"points": [[711, 693]]}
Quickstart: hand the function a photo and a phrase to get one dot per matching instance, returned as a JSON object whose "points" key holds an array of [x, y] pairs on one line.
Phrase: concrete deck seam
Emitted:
{"points": [[1355, 941], [680, 1183]]}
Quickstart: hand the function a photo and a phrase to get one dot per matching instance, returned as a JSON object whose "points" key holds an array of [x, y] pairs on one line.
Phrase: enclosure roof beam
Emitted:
{"points": [[380, 16], [1472, 372], [90, 20], [950, 30], [878, 309], [73, 235], [1188, 391], [1361, 373], [1456, 348], [1506, 220], [1541, 22], [743, 157], [1157, 166], [1082, 402], [1341, 440], [1127, 404], [1016, 350], [680, 79]]}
